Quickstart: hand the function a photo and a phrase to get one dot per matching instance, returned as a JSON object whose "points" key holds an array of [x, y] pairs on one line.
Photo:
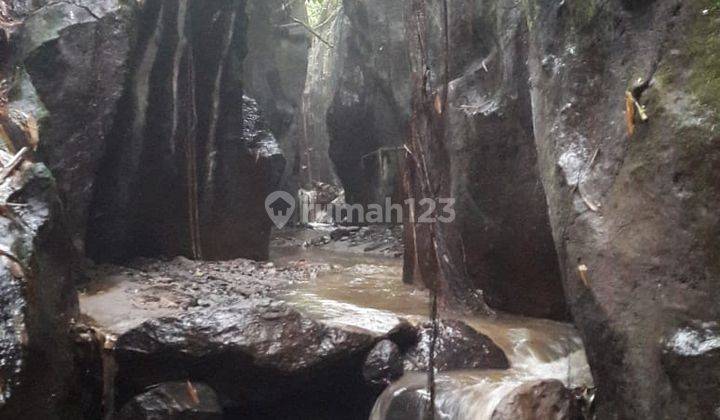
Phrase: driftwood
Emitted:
{"points": [[13, 164]]}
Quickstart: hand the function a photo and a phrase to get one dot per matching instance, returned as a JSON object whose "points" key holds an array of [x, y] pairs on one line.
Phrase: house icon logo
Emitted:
{"points": [[280, 206]]}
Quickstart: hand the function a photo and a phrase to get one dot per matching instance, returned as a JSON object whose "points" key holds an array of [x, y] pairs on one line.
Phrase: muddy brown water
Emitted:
{"points": [[367, 292]]}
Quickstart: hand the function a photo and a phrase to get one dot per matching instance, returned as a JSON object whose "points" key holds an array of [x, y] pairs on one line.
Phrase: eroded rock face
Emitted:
{"points": [[174, 401], [274, 73], [143, 121], [547, 400], [368, 115], [189, 162], [630, 204], [691, 358], [76, 89], [37, 298], [259, 358], [458, 347], [384, 364], [638, 210], [479, 150]]}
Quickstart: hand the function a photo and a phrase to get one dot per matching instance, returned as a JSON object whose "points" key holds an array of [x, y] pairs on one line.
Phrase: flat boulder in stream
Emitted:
{"points": [[259, 358], [458, 346]]}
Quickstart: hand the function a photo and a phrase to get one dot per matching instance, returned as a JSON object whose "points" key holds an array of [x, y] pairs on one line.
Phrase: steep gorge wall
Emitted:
{"points": [[632, 205], [368, 114], [638, 210], [143, 121], [474, 143], [274, 73], [560, 208]]}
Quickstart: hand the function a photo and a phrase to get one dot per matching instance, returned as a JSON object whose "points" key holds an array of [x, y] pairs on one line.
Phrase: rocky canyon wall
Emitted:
{"points": [[144, 122], [633, 205], [474, 143], [619, 101], [274, 74], [580, 141]]}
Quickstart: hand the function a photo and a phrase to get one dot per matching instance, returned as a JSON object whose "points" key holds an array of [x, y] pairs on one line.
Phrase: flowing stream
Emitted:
{"points": [[367, 292]]}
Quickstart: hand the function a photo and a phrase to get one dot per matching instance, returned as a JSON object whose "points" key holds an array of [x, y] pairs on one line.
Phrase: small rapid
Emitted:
{"points": [[367, 292]]}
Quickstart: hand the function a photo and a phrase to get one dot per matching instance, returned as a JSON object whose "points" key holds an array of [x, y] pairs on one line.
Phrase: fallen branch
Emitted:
{"points": [[13, 164], [312, 31]]}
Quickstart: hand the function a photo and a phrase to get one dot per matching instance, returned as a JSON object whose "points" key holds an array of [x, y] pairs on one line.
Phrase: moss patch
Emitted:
{"points": [[704, 50]]}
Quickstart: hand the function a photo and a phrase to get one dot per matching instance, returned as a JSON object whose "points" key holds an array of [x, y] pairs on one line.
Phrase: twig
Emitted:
{"points": [[5, 251], [14, 163], [592, 206], [584, 172], [329, 19], [312, 31], [383, 150]]}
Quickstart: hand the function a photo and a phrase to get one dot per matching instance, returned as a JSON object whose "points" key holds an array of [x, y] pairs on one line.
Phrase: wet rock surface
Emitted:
{"points": [[631, 203], [76, 94], [458, 346], [547, 400], [312, 162], [37, 298], [190, 160], [368, 114], [118, 298], [144, 123], [274, 72], [384, 364], [257, 356], [174, 401], [691, 358], [478, 149], [371, 240]]}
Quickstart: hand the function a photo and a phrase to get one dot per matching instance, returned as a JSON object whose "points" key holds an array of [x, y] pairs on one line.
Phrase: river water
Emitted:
{"points": [[367, 292]]}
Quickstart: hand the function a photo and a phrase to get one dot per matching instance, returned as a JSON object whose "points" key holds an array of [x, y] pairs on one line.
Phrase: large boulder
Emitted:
{"points": [[259, 357], [624, 116], [37, 298], [189, 162], [384, 364], [457, 346]]}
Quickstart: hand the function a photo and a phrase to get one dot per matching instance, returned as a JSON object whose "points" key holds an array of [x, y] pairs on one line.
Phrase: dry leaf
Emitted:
{"points": [[630, 112], [192, 393], [109, 343], [438, 104], [582, 268]]}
